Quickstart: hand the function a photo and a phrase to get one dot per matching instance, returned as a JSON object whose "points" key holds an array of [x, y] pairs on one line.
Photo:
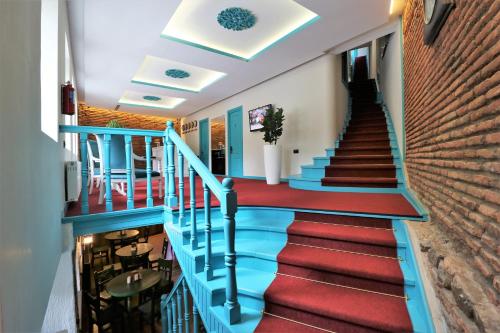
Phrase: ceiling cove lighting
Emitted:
{"points": [[165, 73], [239, 32], [132, 98]]}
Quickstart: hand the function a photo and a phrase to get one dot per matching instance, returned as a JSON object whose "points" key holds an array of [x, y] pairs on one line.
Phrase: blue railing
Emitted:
{"points": [[174, 196], [175, 310]]}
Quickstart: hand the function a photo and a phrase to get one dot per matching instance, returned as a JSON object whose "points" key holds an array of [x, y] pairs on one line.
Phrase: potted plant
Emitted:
{"points": [[273, 129], [113, 124]]}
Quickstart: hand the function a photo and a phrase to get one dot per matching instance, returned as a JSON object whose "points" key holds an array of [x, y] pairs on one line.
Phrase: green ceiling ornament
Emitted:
{"points": [[177, 73], [236, 19], [151, 98]]}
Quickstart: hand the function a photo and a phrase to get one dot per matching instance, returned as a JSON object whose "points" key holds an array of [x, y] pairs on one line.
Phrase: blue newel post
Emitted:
{"points": [[149, 190], [229, 208], [107, 172], [130, 181], [208, 232], [172, 198], [180, 167], [192, 204]]}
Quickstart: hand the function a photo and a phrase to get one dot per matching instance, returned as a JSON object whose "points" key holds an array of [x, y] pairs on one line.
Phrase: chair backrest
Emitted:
{"points": [[165, 266], [164, 248], [117, 157], [134, 262], [101, 278], [93, 148]]}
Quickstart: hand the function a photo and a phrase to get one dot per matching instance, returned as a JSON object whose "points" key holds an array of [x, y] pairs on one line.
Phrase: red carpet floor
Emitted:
{"points": [[258, 193]]}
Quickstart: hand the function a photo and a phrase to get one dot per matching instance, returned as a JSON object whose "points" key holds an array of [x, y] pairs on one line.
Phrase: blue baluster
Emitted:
{"points": [[172, 199], [229, 208], [107, 172], [208, 232], [192, 204], [165, 170], [179, 309], [186, 305], [130, 180], [83, 153], [182, 209], [174, 316], [196, 318], [149, 190], [169, 318], [163, 313]]}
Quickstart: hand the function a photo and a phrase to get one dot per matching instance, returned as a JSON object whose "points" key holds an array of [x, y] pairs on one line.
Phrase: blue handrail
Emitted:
{"points": [[109, 130]]}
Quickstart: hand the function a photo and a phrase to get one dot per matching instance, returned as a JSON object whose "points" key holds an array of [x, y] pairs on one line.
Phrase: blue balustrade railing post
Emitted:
{"points": [[179, 309], [85, 173], [174, 315], [149, 189], [172, 199], [130, 180], [192, 204], [169, 317], [196, 319], [107, 172], [182, 209], [229, 208], [208, 232], [164, 162], [186, 305], [163, 314]]}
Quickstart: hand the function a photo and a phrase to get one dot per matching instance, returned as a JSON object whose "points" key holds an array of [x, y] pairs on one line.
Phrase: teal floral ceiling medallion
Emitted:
{"points": [[177, 73], [236, 19], [151, 98]]}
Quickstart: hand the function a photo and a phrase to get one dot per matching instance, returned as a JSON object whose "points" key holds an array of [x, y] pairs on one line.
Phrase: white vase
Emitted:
{"points": [[272, 163]]}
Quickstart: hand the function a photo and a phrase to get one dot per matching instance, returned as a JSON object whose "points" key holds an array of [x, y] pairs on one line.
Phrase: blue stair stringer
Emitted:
{"points": [[310, 178], [260, 236]]}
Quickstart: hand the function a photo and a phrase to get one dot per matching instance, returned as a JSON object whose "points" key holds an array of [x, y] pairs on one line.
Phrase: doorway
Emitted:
{"points": [[204, 147], [235, 141], [218, 144]]}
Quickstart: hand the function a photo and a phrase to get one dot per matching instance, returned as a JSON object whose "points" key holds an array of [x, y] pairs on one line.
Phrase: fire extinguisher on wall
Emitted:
{"points": [[67, 99]]}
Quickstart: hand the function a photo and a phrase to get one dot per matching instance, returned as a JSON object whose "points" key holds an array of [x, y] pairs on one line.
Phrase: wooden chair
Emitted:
{"points": [[94, 165], [165, 267], [103, 315], [100, 279], [134, 262], [145, 236], [100, 253]]}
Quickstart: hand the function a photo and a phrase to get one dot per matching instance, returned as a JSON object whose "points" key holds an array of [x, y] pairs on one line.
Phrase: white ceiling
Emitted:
{"points": [[111, 38]]}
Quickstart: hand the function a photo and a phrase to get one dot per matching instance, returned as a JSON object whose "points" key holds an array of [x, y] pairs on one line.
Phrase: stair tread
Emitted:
{"points": [[367, 235], [366, 148], [360, 179], [360, 166], [367, 266], [271, 323], [360, 157], [369, 309]]}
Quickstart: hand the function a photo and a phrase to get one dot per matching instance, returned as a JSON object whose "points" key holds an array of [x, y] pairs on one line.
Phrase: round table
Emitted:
{"points": [[118, 286], [142, 248], [118, 236]]}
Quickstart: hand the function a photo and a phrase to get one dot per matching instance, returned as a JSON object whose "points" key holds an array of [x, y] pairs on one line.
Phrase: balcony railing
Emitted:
{"points": [[174, 199]]}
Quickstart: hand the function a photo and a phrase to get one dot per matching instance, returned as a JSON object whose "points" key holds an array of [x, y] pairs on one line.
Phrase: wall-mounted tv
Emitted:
{"points": [[256, 117]]}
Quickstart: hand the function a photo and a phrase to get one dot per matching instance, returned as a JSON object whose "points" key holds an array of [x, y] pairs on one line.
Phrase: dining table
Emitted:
{"points": [[129, 251], [121, 235], [119, 288]]}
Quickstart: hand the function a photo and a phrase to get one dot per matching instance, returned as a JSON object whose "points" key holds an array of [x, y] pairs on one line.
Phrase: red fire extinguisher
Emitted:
{"points": [[67, 99]]}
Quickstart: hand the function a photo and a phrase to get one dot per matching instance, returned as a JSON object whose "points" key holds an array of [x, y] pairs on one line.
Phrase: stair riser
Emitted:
{"points": [[350, 143], [219, 297], [365, 136], [381, 117], [332, 324], [367, 125], [341, 279], [344, 245], [321, 162], [351, 152], [336, 172], [244, 261], [372, 185], [339, 161], [313, 173], [344, 220]]}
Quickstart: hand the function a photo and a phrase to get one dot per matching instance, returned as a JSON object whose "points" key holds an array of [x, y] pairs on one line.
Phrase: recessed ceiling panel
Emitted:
{"points": [[170, 74], [132, 98], [241, 32]]}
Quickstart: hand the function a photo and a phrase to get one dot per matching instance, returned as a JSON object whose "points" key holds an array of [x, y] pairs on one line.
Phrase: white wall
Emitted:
{"points": [[391, 83], [31, 177], [307, 95]]}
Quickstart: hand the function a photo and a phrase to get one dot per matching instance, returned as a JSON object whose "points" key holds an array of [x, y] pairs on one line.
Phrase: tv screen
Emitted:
{"points": [[256, 117]]}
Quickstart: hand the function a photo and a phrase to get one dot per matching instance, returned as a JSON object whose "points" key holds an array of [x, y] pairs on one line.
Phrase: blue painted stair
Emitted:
{"points": [[261, 234]]}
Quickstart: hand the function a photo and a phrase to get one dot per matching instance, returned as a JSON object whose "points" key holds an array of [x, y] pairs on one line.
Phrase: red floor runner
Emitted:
{"points": [[257, 193]]}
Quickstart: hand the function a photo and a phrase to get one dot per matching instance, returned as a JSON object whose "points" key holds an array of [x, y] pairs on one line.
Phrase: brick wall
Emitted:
{"points": [[452, 118], [94, 116]]}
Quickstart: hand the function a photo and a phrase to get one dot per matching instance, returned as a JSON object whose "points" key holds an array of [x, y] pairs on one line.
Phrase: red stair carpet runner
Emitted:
{"points": [[337, 274], [364, 157]]}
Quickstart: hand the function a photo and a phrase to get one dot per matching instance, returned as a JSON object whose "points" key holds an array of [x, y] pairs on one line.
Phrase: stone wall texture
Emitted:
{"points": [[452, 124], [95, 116]]}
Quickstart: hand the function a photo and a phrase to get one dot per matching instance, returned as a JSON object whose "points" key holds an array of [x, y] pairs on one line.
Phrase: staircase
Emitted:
{"points": [[339, 274], [365, 158]]}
